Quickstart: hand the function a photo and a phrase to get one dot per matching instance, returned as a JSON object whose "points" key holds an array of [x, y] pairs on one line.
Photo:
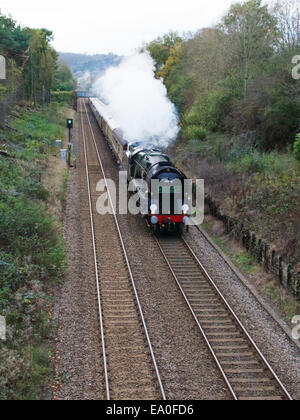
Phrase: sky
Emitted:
{"points": [[118, 26]]}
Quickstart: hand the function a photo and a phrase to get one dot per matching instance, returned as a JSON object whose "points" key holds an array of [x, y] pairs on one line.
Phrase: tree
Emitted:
{"points": [[13, 41], [287, 13], [236, 77], [13, 46], [63, 79], [253, 33], [41, 66], [160, 48], [175, 56], [31, 66]]}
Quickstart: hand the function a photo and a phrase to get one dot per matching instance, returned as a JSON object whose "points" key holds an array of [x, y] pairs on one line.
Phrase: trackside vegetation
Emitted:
{"points": [[33, 71], [31, 251], [297, 147], [33, 98], [239, 108]]}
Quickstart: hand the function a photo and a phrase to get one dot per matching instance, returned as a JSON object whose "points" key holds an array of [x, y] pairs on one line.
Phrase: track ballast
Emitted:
{"points": [[245, 370], [130, 368]]}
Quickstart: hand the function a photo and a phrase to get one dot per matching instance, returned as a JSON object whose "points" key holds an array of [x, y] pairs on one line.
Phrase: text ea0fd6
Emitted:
{"points": [[172, 409]]}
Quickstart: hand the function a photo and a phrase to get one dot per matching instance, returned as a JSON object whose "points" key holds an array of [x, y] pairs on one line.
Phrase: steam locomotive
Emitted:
{"points": [[162, 186]]}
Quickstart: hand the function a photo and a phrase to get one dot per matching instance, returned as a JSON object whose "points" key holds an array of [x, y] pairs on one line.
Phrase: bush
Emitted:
{"points": [[280, 122], [31, 243], [31, 252], [61, 97], [210, 109], [297, 147], [218, 107], [40, 130], [192, 117], [194, 132], [253, 162]]}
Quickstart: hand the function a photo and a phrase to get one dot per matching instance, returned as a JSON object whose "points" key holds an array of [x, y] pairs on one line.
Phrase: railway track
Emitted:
{"points": [[245, 370], [130, 367]]}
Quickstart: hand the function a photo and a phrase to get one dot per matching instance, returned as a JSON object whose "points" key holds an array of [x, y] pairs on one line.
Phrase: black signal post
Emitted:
{"points": [[69, 126]]}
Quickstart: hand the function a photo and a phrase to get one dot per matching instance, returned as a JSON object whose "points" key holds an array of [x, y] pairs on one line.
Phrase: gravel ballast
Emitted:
{"points": [[79, 362], [186, 366]]}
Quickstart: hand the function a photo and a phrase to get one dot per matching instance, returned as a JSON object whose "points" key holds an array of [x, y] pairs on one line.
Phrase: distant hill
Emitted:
{"points": [[86, 68]]}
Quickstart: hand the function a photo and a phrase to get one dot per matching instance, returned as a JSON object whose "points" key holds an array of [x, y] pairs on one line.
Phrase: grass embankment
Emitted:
{"points": [[31, 249], [261, 189]]}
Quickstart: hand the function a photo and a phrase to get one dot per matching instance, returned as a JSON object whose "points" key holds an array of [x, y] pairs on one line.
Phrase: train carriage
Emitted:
{"points": [[110, 129]]}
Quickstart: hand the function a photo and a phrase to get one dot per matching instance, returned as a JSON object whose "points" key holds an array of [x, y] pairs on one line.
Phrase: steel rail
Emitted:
{"points": [[208, 277], [197, 321], [95, 259], [231, 311], [249, 288], [127, 260], [246, 333]]}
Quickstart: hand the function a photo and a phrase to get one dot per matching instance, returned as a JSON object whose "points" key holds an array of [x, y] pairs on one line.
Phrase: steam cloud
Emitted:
{"points": [[138, 101], [84, 80]]}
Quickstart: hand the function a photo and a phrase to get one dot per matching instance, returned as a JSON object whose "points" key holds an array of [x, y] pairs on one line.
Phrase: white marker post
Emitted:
{"points": [[296, 69], [2, 68], [2, 328], [63, 155]]}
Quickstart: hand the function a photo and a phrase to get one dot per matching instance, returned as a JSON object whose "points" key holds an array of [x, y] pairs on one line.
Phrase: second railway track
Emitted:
{"points": [[130, 368], [245, 370]]}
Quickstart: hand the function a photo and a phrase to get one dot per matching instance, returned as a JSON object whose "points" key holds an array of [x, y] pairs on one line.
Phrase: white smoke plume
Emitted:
{"points": [[138, 101], [84, 80]]}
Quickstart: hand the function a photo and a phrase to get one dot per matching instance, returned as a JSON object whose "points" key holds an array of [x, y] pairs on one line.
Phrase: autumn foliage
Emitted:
{"points": [[236, 77]]}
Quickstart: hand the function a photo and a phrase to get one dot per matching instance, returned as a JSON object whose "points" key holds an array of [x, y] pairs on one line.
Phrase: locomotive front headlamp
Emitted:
{"points": [[153, 208], [185, 209]]}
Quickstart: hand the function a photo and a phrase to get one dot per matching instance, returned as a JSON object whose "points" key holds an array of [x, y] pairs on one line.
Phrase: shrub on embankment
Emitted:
{"points": [[260, 189], [31, 251], [297, 147], [65, 98]]}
